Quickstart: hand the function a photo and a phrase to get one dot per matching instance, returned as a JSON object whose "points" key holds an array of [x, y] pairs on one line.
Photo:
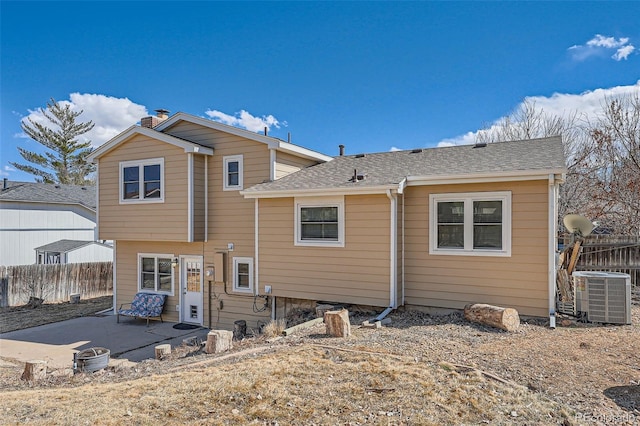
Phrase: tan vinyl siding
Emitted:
{"points": [[287, 164], [234, 307], [127, 270], [357, 273], [199, 198], [165, 221], [519, 281]]}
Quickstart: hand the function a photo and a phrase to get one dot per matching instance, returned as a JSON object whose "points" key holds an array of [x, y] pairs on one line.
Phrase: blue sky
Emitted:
{"points": [[371, 76]]}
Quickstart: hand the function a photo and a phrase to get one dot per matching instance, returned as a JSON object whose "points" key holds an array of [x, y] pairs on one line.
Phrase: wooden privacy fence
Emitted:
{"points": [[611, 253], [54, 283]]}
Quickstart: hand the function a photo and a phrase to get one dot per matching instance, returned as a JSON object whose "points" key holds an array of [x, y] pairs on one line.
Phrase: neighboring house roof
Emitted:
{"points": [[49, 193], [392, 170], [133, 131], [64, 246], [272, 142]]}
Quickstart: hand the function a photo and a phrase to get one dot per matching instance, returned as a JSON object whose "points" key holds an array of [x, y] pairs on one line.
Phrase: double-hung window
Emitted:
{"points": [[155, 273], [243, 274], [319, 221], [233, 171], [476, 223], [142, 181]]}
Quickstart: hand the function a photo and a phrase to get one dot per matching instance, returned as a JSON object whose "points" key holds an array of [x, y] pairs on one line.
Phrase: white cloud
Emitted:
{"points": [[110, 115], [587, 104], [623, 52], [394, 149], [601, 45], [608, 42], [247, 121], [6, 170]]}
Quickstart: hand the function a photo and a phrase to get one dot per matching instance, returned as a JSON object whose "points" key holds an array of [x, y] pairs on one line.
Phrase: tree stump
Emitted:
{"points": [[218, 341], [494, 316], [162, 351], [34, 370], [35, 302], [337, 323]]}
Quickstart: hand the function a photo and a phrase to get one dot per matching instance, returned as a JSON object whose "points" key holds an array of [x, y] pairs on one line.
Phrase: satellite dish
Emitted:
{"points": [[577, 224]]}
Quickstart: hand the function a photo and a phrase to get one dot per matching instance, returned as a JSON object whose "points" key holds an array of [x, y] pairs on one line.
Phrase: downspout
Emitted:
{"points": [[553, 235], [206, 200], [393, 251], [190, 197], [256, 290], [272, 164], [401, 187], [115, 281]]}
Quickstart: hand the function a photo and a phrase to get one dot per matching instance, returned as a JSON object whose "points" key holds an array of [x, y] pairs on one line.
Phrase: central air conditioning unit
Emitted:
{"points": [[603, 297]]}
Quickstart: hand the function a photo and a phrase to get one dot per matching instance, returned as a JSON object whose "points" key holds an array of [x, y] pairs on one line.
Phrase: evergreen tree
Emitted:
{"points": [[65, 160]]}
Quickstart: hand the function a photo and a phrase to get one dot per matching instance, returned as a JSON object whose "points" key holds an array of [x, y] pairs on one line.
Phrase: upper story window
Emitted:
{"points": [[319, 221], [477, 224], [142, 181], [233, 171]]}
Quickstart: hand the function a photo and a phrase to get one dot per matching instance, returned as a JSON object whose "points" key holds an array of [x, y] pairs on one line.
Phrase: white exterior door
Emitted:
{"points": [[191, 285]]}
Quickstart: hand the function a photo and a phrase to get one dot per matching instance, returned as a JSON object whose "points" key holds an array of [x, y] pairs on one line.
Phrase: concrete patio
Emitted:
{"points": [[56, 343]]}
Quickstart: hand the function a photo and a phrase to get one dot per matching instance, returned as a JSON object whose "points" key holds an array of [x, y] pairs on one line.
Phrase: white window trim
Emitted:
{"points": [[156, 256], [141, 164], [225, 172], [468, 198], [301, 202], [236, 261]]}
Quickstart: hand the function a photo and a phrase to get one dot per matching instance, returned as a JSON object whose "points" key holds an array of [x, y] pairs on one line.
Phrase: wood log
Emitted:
{"points": [[219, 341], [162, 351], [494, 316], [34, 370], [337, 323], [575, 253]]}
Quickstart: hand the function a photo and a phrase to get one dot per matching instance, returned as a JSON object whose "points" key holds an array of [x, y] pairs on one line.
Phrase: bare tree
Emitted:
{"points": [[615, 163], [531, 122]]}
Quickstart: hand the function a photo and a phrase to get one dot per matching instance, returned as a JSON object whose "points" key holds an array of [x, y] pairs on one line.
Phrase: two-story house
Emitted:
{"points": [[234, 225], [169, 195]]}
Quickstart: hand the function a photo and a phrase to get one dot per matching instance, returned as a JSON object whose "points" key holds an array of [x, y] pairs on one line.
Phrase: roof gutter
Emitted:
{"points": [[360, 190], [486, 177]]}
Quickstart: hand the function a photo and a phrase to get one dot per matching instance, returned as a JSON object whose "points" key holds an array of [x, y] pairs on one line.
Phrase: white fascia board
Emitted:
{"points": [[137, 130], [365, 190], [303, 152], [272, 143], [92, 210], [482, 177]]}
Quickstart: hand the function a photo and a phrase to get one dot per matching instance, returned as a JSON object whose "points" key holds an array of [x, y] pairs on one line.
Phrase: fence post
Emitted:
{"points": [[4, 287]]}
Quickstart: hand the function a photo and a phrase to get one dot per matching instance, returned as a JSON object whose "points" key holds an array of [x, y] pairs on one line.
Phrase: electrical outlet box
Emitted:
{"points": [[230, 246], [267, 289], [177, 308]]}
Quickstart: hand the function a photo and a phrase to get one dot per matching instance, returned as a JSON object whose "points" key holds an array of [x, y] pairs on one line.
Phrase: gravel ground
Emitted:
{"points": [[594, 369]]}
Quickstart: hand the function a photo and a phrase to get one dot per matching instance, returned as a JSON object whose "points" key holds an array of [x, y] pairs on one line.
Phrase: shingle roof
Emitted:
{"points": [[390, 168], [64, 246], [49, 193]]}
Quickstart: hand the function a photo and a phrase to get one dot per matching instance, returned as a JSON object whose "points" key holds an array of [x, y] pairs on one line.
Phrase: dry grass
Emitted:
{"points": [[274, 328], [421, 369], [21, 317], [297, 385]]}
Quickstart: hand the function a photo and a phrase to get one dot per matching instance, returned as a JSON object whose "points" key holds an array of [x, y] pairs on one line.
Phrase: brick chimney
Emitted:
{"points": [[151, 121]]}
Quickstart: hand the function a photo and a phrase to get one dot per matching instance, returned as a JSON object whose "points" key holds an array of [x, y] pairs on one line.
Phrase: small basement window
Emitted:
{"points": [[243, 274]]}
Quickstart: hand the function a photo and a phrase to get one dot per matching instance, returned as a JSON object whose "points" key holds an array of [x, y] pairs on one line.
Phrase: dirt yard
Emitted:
{"points": [[19, 317], [420, 369]]}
